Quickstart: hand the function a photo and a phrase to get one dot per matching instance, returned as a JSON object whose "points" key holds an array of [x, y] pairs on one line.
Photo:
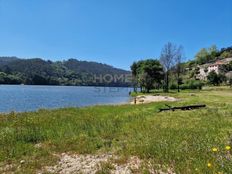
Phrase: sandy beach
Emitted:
{"points": [[152, 98]]}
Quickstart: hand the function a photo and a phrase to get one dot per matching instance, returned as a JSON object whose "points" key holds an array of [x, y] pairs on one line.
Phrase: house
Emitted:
{"points": [[205, 69]]}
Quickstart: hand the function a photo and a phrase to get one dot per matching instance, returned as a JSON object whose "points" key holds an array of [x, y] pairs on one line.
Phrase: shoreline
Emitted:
{"points": [[23, 98], [145, 99], [80, 107], [140, 99], [116, 137]]}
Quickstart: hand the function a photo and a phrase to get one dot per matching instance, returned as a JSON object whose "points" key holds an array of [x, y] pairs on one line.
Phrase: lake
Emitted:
{"points": [[22, 98]]}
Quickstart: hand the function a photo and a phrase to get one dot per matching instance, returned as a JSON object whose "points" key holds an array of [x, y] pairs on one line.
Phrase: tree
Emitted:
{"points": [[226, 54], [213, 78], [207, 54], [178, 68], [147, 72], [201, 56], [213, 52], [227, 67], [146, 81], [221, 78], [169, 55], [229, 78], [72, 72], [134, 75], [216, 79]]}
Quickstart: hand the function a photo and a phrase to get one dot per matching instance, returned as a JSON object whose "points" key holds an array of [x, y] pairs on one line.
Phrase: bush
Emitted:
{"points": [[230, 82], [184, 86], [192, 84], [215, 79], [173, 86]]}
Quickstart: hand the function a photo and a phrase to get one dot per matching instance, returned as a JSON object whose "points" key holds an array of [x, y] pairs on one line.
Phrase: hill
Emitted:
{"points": [[37, 71], [206, 60]]}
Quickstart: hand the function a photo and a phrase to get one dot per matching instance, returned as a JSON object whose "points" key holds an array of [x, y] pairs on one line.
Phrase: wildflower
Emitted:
{"points": [[209, 165], [214, 149], [228, 147]]}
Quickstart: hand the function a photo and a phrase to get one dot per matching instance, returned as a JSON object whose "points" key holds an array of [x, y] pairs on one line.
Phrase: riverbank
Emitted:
{"points": [[24, 98], [144, 99], [127, 135]]}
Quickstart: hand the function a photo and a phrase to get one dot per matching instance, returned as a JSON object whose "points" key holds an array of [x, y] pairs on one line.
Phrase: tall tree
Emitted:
{"points": [[134, 69], [202, 56], [213, 52], [147, 73], [178, 60], [207, 54], [215, 79], [169, 54]]}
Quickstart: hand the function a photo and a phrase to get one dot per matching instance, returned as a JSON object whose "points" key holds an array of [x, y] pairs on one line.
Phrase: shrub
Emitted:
{"points": [[192, 84], [173, 86], [216, 79]]}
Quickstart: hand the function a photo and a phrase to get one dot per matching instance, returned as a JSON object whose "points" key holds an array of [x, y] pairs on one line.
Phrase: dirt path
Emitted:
{"points": [[106, 163]]}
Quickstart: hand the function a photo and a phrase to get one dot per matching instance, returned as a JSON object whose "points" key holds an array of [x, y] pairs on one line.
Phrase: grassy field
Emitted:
{"points": [[182, 140]]}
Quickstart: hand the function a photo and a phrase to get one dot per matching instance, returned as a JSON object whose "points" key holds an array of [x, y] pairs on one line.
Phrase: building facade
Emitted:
{"points": [[205, 69]]}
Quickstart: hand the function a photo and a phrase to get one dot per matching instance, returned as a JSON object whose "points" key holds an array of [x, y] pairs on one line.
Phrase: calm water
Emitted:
{"points": [[29, 98]]}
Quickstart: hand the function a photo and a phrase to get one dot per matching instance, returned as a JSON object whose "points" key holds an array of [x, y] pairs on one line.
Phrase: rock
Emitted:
{"points": [[22, 161], [39, 145]]}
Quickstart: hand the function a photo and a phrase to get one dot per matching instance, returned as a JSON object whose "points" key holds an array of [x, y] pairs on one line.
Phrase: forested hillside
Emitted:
{"points": [[190, 70], [173, 72], [37, 71]]}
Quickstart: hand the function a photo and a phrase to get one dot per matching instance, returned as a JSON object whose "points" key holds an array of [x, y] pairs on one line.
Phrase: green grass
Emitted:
{"points": [[181, 139]]}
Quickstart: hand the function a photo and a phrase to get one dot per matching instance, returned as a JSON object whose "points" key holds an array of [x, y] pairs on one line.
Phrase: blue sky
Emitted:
{"points": [[115, 32]]}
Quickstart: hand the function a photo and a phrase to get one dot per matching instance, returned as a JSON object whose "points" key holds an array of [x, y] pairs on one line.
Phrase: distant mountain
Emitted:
{"points": [[37, 71], [6, 60], [91, 67]]}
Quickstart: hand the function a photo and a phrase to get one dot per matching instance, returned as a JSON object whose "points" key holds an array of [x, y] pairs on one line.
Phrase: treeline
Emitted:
{"points": [[225, 76], [207, 55], [71, 72], [149, 74], [170, 71]]}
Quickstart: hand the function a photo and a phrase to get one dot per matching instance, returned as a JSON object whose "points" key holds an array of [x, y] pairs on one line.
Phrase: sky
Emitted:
{"points": [[115, 32]]}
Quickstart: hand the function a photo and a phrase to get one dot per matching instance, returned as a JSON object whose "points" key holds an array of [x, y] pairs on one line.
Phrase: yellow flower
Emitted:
{"points": [[214, 149], [228, 147], [209, 165]]}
